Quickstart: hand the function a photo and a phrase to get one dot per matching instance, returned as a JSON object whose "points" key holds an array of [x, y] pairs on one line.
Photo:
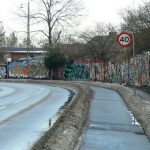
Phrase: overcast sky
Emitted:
{"points": [[107, 10], [97, 10]]}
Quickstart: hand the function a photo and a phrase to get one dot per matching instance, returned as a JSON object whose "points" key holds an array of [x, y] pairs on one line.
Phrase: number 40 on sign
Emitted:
{"points": [[124, 39]]}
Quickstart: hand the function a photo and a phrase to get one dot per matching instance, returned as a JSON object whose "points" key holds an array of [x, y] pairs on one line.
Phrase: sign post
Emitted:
{"points": [[125, 39]]}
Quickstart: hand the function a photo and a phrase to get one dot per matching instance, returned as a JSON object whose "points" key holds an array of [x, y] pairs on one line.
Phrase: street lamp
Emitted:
{"points": [[28, 27]]}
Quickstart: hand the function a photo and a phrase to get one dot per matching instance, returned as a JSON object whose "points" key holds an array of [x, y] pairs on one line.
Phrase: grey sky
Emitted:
{"points": [[97, 10]]}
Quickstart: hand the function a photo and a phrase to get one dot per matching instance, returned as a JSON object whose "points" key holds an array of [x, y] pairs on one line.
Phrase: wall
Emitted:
{"points": [[121, 73], [76, 72], [33, 69], [87, 70], [142, 69], [98, 71], [2, 72]]}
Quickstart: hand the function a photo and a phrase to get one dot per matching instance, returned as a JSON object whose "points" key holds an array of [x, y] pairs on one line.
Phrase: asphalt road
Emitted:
{"points": [[111, 125], [25, 110]]}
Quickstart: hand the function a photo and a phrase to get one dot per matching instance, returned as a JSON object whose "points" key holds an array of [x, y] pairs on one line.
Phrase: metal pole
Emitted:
{"points": [[28, 29], [134, 64], [134, 95], [148, 69]]}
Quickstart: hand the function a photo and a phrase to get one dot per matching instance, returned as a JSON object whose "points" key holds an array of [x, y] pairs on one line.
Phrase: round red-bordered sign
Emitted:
{"points": [[124, 39]]}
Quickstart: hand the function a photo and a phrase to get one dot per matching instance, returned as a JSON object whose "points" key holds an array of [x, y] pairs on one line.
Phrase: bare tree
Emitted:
{"points": [[138, 21], [56, 15], [99, 43], [2, 35]]}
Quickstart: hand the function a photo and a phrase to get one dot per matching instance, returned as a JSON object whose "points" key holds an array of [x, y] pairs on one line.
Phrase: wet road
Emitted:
{"points": [[111, 126], [25, 110]]}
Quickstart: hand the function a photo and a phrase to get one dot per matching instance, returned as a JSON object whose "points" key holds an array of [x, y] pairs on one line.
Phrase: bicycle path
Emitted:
{"points": [[111, 125]]}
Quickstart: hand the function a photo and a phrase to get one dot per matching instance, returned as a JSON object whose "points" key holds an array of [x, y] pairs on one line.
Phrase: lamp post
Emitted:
{"points": [[28, 27]]}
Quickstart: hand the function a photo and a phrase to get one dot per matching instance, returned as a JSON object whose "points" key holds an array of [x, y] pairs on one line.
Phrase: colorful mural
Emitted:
{"points": [[98, 71], [142, 69], [33, 69], [2, 72], [121, 73], [87, 70], [76, 72]]}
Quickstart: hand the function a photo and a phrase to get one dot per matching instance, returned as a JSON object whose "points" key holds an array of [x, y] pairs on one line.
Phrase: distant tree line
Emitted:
{"points": [[138, 21]]}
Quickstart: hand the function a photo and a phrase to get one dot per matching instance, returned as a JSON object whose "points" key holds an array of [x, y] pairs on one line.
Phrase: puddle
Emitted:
{"points": [[62, 109], [134, 121]]}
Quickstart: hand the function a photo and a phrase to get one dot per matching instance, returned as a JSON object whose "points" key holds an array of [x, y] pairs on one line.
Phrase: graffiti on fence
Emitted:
{"points": [[76, 72], [34, 69], [99, 71], [37, 70], [2, 72], [142, 69], [121, 73]]}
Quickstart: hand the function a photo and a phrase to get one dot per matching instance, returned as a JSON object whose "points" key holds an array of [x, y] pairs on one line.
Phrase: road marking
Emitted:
{"points": [[3, 107], [20, 100]]}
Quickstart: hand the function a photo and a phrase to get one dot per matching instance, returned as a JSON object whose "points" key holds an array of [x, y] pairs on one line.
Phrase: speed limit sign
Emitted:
{"points": [[124, 39]]}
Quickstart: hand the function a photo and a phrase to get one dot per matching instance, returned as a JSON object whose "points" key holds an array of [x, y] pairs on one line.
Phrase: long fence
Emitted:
{"points": [[82, 70]]}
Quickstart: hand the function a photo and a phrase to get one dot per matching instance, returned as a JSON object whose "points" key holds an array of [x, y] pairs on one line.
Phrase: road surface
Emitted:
{"points": [[111, 126], [25, 110]]}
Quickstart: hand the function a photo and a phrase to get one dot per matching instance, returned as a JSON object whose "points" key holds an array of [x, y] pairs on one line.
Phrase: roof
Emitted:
{"points": [[21, 50]]}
